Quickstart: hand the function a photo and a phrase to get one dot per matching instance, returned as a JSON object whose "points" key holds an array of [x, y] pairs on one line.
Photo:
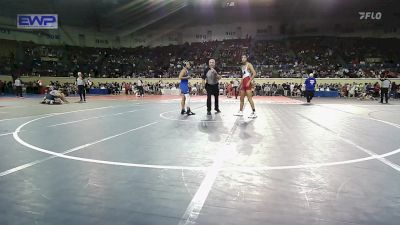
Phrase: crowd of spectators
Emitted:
{"points": [[347, 90], [331, 57], [292, 57]]}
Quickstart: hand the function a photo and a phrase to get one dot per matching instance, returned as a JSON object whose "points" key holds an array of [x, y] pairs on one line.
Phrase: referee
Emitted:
{"points": [[211, 77]]}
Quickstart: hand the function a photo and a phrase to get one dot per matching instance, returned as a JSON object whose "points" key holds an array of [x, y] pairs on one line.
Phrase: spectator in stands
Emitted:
{"points": [[352, 91], [194, 90], [128, 88], [377, 89], [291, 89], [394, 90], [288, 57], [229, 89], [2, 87]]}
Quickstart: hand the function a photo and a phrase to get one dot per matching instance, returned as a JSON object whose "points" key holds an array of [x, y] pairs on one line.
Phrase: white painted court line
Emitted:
{"points": [[366, 105], [61, 113], [50, 114], [195, 206], [241, 168], [307, 166], [360, 116], [386, 122], [380, 105], [259, 168], [95, 117], [369, 152], [192, 211], [62, 155], [163, 116], [5, 134], [76, 121], [18, 168]]}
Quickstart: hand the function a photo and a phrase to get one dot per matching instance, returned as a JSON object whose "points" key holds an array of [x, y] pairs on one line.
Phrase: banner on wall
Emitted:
{"points": [[37, 21]]}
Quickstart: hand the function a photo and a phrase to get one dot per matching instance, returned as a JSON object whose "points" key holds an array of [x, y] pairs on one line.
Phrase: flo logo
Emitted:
{"points": [[370, 15]]}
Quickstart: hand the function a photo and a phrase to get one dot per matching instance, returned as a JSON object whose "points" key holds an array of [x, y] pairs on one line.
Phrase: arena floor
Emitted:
{"points": [[119, 160]]}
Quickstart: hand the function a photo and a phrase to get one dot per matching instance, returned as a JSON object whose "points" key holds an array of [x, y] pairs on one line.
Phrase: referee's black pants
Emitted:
{"points": [[212, 89]]}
